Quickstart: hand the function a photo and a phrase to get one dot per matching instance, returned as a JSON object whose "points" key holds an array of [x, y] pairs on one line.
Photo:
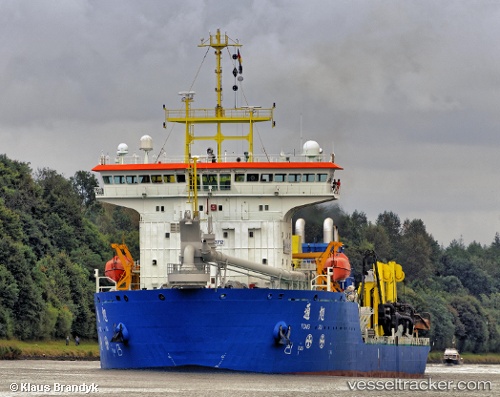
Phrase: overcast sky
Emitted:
{"points": [[407, 93]]}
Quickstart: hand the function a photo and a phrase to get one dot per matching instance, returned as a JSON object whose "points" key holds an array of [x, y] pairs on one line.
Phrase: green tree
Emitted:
{"points": [[471, 330], [491, 305], [415, 251], [9, 294], [353, 226], [458, 262], [442, 326], [68, 291], [392, 225], [84, 183], [378, 237]]}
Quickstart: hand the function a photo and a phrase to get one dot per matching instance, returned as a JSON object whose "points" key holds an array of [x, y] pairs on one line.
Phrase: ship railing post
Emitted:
{"points": [[329, 273], [96, 275]]}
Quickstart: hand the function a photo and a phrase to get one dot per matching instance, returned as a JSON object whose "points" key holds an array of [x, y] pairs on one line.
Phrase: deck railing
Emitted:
{"points": [[204, 158]]}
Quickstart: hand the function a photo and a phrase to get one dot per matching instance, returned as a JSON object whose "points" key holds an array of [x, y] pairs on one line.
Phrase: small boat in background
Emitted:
{"points": [[451, 356]]}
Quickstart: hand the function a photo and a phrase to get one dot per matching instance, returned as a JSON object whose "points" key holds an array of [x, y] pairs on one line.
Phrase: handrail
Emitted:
{"points": [[204, 115]]}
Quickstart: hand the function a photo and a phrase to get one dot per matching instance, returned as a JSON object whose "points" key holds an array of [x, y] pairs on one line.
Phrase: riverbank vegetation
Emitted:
{"points": [[49, 350], [54, 234]]}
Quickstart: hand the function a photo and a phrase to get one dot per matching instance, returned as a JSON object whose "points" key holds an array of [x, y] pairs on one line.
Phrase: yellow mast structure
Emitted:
{"points": [[193, 187], [219, 115]]}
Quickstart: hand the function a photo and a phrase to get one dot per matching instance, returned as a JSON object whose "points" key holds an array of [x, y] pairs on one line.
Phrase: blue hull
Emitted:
{"points": [[236, 329]]}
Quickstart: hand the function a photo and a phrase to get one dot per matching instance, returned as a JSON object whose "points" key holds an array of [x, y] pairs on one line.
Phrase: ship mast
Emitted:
{"points": [[219, 115], [216, 43]]}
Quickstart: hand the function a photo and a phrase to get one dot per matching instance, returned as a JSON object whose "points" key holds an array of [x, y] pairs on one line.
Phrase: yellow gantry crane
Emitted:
{"points": [[378, 291]]}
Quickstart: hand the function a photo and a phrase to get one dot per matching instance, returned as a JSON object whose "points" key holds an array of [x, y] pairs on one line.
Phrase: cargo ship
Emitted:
{"points": [[223, 281]]}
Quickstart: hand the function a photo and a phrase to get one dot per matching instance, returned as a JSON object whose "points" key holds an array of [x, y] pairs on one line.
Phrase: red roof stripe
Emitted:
{"points": [[215, 166]]}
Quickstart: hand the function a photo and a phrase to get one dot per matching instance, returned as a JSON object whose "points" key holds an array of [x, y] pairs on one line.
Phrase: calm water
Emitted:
{"points": [[50, 378]]}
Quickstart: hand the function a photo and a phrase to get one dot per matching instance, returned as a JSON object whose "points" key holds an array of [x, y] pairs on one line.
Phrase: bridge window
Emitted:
{"points": [[156, 179], [252, 177], [144, 179], [266, 177], [225, 182], [209, 180], [294, 177], [131, 179], [119, 179], [308, 177], [107, 180], [322, 177], [170, 178], [239, 177], [279, 177], [181, 178]]}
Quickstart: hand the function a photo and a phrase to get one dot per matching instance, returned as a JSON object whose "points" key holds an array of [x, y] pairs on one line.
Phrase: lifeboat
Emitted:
{"points": [[341, 266], [114, 269]]}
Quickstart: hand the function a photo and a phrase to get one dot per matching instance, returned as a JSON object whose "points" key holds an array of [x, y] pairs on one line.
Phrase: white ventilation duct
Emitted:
{"points": [[328, 230], [300, 228]]}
